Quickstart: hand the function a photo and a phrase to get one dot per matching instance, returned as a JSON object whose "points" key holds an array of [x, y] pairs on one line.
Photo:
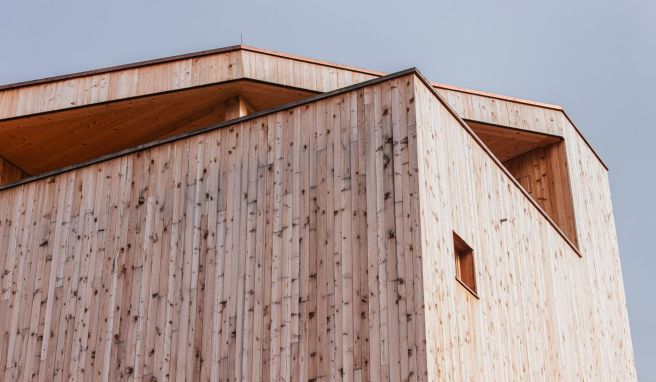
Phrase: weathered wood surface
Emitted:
{"points": [[175, 75], [280, 248], [50, 141], [543, 173], [314, 242], [544, 313]]}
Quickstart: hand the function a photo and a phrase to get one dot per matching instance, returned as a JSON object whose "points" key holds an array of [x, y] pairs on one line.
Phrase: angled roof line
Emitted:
{"points": [[263, 51], [435, 85], [116, 68], [298, 58], [497, 96], [496, 160], [301, 102], [136, 97], [211, 127]]}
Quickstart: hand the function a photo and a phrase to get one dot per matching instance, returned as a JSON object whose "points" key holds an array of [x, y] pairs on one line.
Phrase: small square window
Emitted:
{"points": [[465, 272]]}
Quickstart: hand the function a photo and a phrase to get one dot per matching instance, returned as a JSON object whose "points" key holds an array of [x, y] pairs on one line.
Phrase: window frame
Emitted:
{"points": [[463, 251]]}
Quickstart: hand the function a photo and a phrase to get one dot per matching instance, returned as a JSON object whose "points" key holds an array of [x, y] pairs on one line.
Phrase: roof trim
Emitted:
{"points": [[530, 103], [497, 96], [233, 48], [249, 48], [495, 159], [318, 97], [209, 128], [312, 60], [584, 140], [120, 67], [132, 98]]}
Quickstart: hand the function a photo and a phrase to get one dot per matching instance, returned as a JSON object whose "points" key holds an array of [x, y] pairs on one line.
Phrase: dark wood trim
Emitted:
{"points": [[468, 288], [549, 135], [460, 246], [13, 164]]}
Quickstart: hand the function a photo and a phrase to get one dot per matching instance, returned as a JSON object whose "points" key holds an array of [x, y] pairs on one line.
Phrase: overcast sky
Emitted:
{"points": [[597, 58]]}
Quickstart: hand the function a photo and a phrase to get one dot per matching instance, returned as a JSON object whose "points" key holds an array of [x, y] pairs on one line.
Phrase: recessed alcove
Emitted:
{"points": [[538, 162], [465, 268]]}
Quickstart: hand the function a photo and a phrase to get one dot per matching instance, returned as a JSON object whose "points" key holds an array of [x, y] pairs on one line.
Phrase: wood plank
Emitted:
{"points": [[314, 243]]}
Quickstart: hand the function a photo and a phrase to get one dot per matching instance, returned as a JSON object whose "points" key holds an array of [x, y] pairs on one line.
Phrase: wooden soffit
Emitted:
{"points": [[48, 141]]}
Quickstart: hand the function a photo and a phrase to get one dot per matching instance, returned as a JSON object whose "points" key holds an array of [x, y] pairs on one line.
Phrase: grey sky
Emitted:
{"points": [[597, 58]]}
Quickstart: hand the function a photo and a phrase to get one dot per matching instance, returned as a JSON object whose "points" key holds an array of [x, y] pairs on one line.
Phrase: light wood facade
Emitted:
{"points": [[310, 240]]}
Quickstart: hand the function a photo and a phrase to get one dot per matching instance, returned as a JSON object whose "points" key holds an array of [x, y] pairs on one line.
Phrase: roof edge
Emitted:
{"points": [[232, 48], [115, 68], [497, 96], [494, 159], [321, 96], [580, 134], [209, 128], [298, 58]]}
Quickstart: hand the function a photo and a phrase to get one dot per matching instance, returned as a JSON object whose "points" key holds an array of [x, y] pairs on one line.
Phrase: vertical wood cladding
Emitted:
{"points": [[544, 313], [282, 247], [243, 63], [313, 243], [543, 174]]}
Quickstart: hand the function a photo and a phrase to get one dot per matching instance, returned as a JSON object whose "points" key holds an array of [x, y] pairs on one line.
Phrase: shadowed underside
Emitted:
{"points": [[63, 138]]}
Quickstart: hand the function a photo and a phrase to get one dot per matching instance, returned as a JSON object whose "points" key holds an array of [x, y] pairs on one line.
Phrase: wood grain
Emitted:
{"points": [[239, 253], [45, 142], [10, 173], [314, 242], [537, 297]]}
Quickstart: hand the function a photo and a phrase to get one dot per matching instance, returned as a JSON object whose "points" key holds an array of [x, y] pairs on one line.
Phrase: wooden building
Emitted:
{"points": [[242, 214]]}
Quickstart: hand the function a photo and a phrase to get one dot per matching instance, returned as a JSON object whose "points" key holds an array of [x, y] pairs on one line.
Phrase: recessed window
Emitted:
{"points": [[465, 272], [539, 164]]}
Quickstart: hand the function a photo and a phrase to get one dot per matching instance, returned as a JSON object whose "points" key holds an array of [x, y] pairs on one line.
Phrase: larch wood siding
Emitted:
{"points": [[299, 73], [313, 242], [173, 75], [282, 247], [121, 84], [504, 112], [544, 313], [543, 173]]}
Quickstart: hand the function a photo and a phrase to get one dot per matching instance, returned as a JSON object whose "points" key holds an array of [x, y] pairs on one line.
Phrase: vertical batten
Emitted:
{"points": [[314, 242]]}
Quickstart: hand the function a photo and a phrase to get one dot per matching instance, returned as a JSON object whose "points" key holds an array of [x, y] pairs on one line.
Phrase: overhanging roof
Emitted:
{"points": [[65, 137], [304, 101], [243, 48]]}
